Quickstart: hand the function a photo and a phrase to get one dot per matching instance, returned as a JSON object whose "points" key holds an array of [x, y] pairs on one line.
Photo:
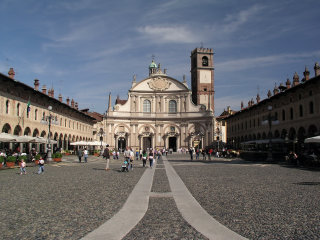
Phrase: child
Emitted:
{"points": [[23, 167], [124, 166], [41, 166]]}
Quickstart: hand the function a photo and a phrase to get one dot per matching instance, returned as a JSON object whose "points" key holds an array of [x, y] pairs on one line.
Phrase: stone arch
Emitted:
{"points": [[254, 137], [301, 134], [292, 133], [43, 134], [258, 136], [55, 137], [142, 129], [312, 131], [264, 135], [283, 133], [35, 133], [17, 130], [6, 128], [276, 134], [27, 131]]}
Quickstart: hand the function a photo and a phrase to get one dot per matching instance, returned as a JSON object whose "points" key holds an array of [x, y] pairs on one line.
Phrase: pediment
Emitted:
{"points": [[161, 84]]}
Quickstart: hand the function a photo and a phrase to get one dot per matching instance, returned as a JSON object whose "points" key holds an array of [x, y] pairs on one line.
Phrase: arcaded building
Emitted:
{"points": [[162, 112], [293, 110], [22, 109]]}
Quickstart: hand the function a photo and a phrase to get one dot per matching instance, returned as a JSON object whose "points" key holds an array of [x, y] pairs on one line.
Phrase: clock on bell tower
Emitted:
{"points": [[202, 77]]}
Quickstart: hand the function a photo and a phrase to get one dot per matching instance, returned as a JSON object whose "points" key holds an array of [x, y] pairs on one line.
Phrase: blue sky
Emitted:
{"points": [[88, 48]]}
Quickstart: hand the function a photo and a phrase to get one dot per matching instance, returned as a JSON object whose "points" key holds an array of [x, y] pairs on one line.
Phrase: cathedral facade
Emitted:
{"points": [[162, 112]]}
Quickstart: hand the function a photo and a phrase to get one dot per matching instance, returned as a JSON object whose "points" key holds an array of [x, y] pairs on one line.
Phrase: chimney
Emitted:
{"points": [[49, 92], [241, 105], [306, 74], [68, 100], [295, 79], [44, 89], [269, 94], [258, 98], [60, 97], [288, 83], [52, 92], [316, 69], [72, 103], [36, 84], [11, 73], [76, 105]]}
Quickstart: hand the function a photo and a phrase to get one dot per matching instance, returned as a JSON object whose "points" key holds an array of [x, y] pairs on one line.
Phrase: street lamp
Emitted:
{"points": [[49, 120], [271, 120], [101, 133]]}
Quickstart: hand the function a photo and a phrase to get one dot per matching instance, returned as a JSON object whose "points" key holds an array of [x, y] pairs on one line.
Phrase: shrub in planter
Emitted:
{"points": [[37, 157], [11, 161], [1, 161], [57, 157], [24, 157]]}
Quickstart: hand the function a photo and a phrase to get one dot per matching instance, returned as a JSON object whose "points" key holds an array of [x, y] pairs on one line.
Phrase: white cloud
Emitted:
{"points": [[177, 34], [254, 62]]}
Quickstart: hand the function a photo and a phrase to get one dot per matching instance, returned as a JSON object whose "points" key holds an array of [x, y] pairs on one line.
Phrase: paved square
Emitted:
{"points": [[71, 199]]}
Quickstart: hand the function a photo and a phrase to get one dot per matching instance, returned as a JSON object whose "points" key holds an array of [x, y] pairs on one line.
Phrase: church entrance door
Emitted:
{"points": [[122, 144], [173, 143], [146, 144]]}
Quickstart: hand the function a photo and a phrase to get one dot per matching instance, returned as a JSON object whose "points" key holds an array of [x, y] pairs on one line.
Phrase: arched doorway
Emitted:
{"points": [[6, 128], [146, 143], [122, 144], [173, 143]]}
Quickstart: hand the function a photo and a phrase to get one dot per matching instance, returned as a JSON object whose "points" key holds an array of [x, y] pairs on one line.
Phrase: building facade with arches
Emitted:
{"points": [[159, 113], [294, 109], [22, 109]]}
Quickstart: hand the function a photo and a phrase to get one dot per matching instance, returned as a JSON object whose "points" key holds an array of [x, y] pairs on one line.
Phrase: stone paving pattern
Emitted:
{"points": [[256, 200], [160, 181], [69, 200], [163, 221]]}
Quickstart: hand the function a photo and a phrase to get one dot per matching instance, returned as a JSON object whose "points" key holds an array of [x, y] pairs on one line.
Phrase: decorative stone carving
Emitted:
{"points": [[159, 84]]}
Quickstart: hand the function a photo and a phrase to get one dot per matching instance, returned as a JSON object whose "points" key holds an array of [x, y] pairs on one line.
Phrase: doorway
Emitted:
{"points": [[173, 143], [122, 144], [146, 144]]}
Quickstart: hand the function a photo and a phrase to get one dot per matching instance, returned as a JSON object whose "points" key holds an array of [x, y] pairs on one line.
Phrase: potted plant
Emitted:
{"points": [[57, 157], [11, 160], [1, 161], [67, 152], [37, 158], [96, 152]]}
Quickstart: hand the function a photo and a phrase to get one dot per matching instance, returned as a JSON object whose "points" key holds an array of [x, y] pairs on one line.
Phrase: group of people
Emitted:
{"points": [[82, 153], [209, 152], [130, 156]]}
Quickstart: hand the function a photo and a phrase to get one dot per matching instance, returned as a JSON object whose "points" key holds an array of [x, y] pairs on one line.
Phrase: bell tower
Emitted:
{"points": [[202, 77]]}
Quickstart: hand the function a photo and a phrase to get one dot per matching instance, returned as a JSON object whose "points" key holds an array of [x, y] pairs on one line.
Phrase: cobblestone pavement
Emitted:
{"points": [[162, 220], [256, 200], [66, 202]]}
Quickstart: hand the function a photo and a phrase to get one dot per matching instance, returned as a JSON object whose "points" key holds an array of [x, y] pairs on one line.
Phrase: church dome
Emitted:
{"points": [[153, 65]]}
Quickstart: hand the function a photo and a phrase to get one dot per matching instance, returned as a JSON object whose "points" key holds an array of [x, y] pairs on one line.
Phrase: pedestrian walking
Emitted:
{"points": [[144, 158], [106, 155], [23, 167], [79, 153], [191, 153], [203, 152], [41, 166], [150, 157], [131, 159], [85, 155]]}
